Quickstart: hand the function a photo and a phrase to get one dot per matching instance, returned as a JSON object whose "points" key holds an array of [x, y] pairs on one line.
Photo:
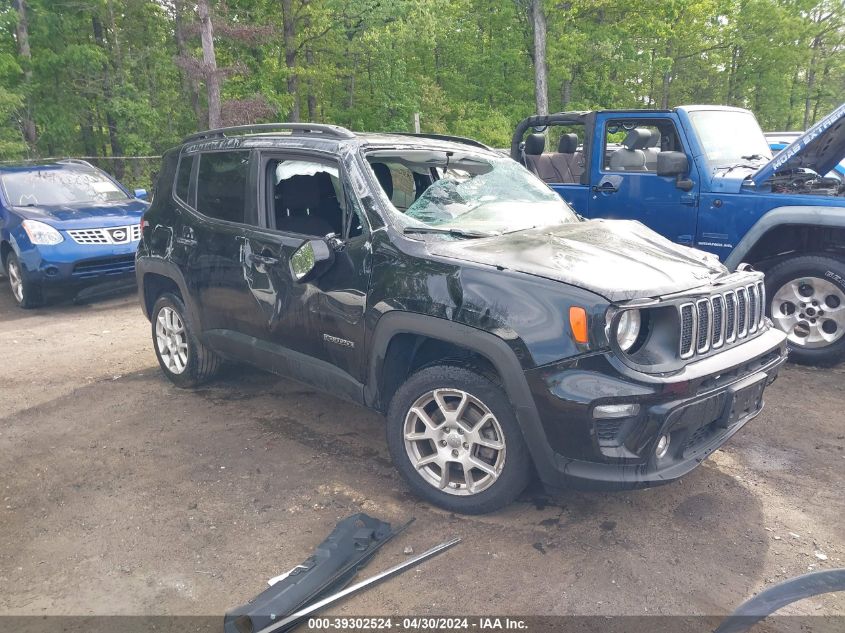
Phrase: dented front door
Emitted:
{"points": [[288, 311]]}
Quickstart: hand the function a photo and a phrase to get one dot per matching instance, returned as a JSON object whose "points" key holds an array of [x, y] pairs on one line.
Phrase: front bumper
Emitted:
{"points": [[67, 264], [698, 410]]}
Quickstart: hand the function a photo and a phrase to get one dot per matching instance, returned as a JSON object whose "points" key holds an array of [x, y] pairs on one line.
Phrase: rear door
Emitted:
{"points": [[222, 215], [626, 186]]}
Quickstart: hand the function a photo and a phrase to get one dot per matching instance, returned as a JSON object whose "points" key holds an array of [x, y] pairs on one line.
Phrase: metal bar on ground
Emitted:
{"points": [[372, 580]]}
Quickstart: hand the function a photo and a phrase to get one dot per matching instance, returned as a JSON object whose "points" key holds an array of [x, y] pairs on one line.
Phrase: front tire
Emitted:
{"points": [[453, 436], [182, 357], [25, 293], [807, 301]]}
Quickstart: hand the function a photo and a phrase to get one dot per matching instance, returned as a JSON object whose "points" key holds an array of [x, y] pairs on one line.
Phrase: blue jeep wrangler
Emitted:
{"points": [[704, 176]]}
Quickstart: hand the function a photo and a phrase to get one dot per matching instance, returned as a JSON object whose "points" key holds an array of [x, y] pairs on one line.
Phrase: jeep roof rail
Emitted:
{"points": [[446, 137], [334, 131]]}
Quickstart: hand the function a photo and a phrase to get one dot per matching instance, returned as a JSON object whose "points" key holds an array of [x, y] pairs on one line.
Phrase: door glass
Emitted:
{"points": [[183, 178], [222, 185], [307, 197], [633, 145]]}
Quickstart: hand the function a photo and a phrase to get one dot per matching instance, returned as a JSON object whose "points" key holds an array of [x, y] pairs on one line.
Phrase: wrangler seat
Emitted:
{"points": [[631, 157], [567, 162]]}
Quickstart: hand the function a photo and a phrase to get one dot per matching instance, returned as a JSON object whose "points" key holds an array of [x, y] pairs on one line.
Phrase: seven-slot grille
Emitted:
{"points": [[110, 235], [721, 319]]}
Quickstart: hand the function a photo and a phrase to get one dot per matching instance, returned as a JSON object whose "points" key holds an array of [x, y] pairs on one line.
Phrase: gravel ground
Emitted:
{"points": [[122, 494]]}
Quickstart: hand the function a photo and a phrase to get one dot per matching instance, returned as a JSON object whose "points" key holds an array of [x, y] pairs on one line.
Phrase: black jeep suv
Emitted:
{"points": [[442, 284]]}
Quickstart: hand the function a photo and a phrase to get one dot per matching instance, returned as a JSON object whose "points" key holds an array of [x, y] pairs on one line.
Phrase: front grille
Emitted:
{"points": [[704, 334], [110, 235], [730, 317], [105, 266], [721, 319], [718, 323], [702, 435], [687, 329], [742, 311]]}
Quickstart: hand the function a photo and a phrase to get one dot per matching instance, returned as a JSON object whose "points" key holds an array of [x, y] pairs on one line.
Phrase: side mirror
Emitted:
{"points": [[675, 164], [141, 194], [672, 164], [310, 260]]}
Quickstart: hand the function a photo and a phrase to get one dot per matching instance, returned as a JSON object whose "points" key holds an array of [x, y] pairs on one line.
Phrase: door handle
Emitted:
{"points": [[263, 259], [605, 188]]}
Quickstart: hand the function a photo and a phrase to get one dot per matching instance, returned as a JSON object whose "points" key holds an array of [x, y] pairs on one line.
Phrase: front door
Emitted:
{"points": [[625, 185], [318, 325]]}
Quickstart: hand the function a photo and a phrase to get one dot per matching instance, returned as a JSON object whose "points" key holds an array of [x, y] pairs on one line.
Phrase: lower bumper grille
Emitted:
{"points": [[104, 267]]}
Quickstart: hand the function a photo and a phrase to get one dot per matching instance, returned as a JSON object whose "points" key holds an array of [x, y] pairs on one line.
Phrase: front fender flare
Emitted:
{"points": [[779, 216], [488, 345]]}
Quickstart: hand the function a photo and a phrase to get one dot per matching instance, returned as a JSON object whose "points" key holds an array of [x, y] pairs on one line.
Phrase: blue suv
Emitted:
{"points": [[64, 226]]}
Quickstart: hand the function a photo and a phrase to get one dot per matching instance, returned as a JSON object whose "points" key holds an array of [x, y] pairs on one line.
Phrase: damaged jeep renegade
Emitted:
{"points": [[444, 285]]}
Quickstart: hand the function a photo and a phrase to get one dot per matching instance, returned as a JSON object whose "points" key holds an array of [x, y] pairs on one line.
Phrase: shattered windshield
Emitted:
{"points": [[467, 194], [730, 137]]}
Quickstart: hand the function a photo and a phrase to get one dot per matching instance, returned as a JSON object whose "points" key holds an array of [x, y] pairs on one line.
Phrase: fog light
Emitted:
{"points": [[611, 411], [662, 447]]}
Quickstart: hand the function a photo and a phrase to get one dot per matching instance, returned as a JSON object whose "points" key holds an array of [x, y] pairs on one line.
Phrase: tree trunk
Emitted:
{"points": [[289, 37], [565, 93], [667, 81], [538, 27], [311, 99], [793, 89], [22, 36], [212, 77], [191, 84], [811, 81], [111, 122]]}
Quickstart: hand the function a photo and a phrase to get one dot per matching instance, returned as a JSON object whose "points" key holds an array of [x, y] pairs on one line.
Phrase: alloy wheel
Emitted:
{"points": [[454, 441], [811, 311], [171, 340], [15, 280]]}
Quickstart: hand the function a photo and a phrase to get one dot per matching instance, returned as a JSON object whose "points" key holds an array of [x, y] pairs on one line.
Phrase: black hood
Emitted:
{"points": [[617, 259]]}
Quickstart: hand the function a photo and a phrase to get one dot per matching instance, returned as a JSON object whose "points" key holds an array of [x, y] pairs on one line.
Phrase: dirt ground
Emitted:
{"points": [[122, 494]]}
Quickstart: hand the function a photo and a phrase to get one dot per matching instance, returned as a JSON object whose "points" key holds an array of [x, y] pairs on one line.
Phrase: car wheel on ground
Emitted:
{"points": [[182, 357], [25, 293], [807, 301], [454, 437]]}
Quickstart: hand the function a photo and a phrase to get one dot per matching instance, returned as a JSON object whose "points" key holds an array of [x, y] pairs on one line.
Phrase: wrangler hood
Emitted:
{"points": [[820, 148], [617, 259]]}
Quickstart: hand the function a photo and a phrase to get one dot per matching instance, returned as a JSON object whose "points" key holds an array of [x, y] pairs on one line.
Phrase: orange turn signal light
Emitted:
{"points": [[578, 323]]}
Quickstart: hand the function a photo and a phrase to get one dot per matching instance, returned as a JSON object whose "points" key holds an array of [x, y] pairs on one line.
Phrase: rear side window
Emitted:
{"points": [[221, 185], [183, 178]]}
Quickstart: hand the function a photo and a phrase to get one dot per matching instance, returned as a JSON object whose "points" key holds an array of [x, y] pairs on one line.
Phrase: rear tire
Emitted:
{"points": [[806, 300], [25, 293], [182, 357], [451, 420]]}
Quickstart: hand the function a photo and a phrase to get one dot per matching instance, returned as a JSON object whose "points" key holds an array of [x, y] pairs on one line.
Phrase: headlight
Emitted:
{"points": [[40, 233], [628, 329]]}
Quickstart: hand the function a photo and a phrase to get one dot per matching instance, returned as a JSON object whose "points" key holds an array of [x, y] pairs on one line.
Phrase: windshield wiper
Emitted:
{"points": [[453, 232], [752, 157]]}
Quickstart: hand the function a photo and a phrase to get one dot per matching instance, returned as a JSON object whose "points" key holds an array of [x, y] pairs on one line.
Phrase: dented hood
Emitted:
{"points": [[820, 148], [617, 259]]}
